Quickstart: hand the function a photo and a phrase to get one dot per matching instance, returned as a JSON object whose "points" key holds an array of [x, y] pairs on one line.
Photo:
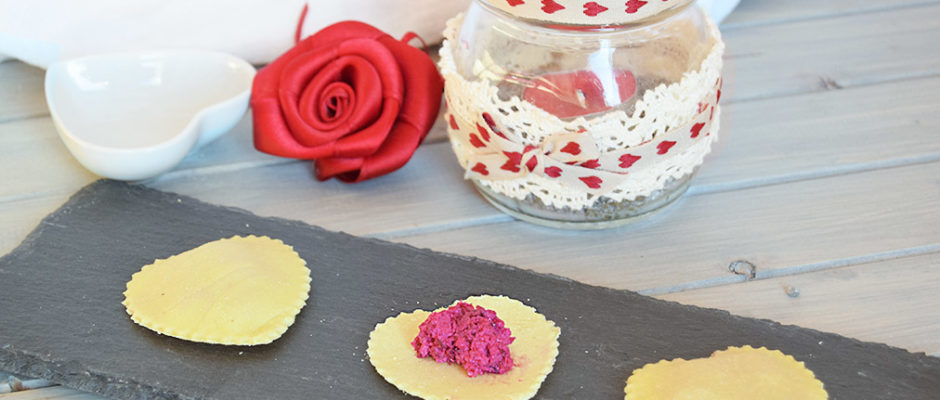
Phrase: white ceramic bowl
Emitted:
{"points": [[132, 116]]}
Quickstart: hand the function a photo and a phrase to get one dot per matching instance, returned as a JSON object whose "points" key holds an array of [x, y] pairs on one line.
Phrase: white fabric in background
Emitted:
{"points": [[41, 32]]}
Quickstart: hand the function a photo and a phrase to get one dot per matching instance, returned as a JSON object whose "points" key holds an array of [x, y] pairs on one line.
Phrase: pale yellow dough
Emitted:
{"points": [[533, 353], [235, 291], [742, 373]]}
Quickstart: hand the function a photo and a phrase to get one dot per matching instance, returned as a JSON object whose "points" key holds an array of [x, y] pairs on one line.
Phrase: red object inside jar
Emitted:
{"points": [[573, 94]]}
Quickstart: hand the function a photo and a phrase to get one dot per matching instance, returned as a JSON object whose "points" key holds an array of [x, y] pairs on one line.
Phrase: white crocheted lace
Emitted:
{"points": [[659, 110]]}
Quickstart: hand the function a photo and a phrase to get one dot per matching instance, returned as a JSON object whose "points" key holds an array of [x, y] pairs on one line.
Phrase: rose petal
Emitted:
{"points": [[294, 79], [369, 139], [334, 103], [346, 30], [344, 169], [347, 77], [423, 91], [314, 70]]}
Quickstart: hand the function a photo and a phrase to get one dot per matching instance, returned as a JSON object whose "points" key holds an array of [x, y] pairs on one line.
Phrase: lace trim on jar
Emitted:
{"points": [[660, 111]]}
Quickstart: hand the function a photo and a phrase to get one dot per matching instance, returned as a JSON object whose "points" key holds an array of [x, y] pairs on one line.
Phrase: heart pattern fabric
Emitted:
{"points": [[572, 159], [580, 12], [592, 8], [550, 6]]}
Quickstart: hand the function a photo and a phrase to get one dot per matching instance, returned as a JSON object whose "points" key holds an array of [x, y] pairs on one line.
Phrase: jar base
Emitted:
{"points": [[532, 210]]}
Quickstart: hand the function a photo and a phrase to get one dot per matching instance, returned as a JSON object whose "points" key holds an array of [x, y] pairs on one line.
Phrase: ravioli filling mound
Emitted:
{"points": [[533, 350], [472, 337]]}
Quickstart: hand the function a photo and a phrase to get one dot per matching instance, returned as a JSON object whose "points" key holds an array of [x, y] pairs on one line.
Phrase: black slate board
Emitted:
{"points": [[61, 316]]}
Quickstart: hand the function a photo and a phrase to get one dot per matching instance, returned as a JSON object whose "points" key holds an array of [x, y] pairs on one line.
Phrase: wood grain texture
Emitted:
{"points": [[818, 55], [819, 134], [861, 59], [44, 165], [764, 142], [850, 300], [853, 122], [19, 97], [692, 243], [35, 161], [429, 190], [38, 162], [766, 12]]}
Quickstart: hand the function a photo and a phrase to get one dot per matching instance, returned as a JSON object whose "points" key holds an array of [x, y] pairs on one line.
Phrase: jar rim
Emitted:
{"points": [[577, 20]]}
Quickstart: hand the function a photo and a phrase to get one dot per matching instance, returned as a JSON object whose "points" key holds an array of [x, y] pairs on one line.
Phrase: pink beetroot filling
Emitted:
{"points": [[472, 337]]}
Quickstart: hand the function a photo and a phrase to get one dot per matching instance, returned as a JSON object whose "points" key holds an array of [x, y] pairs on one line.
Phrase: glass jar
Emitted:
{"points": [[581, 115]]}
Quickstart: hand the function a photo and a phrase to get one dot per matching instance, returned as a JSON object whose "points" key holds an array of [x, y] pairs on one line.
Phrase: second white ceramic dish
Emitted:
{"points": [[132, 116]]}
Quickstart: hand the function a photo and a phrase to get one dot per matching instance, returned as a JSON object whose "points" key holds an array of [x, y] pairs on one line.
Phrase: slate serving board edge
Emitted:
{"points": [[74, 375]]}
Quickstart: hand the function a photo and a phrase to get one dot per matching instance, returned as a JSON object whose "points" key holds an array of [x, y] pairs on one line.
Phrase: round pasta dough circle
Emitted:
{"points": [[533, 351], [235, 291], [735, 373]]}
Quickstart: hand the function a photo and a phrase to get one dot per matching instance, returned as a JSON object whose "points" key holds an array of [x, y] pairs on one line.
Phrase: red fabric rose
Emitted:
{"points": [[350, 97]]}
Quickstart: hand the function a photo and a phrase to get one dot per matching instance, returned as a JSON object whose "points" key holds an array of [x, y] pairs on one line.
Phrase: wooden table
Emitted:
{"points": [[826, 179]]}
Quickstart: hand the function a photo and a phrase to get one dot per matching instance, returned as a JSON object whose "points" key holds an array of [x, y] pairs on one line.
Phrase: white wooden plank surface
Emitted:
{"points": [[780, 228], [859, 130], [752, 51], [293, 169], [814, 55], [766, 12], [36, 162], [848, 300], [19, 97], [820, 134], [853, 122]]}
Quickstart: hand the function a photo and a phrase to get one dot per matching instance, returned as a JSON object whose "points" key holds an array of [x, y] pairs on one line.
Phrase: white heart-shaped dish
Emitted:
{"points": [[132, 116]]}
